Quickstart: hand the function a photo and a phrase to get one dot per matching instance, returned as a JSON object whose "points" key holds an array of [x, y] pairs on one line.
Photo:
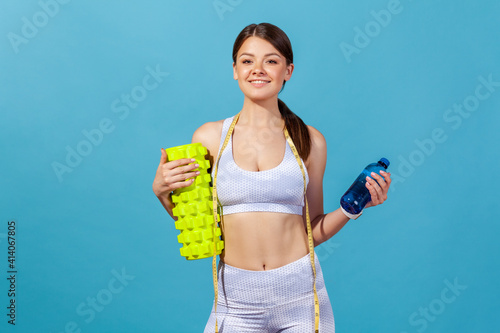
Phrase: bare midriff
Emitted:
{"points": [[263, 240]]}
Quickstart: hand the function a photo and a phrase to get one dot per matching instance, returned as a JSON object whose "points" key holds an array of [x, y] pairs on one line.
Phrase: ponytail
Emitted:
{"points": [[297, 129]]}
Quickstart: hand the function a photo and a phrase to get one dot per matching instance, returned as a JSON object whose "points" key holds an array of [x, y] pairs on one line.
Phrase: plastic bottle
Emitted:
{"points": [[357, 196]]}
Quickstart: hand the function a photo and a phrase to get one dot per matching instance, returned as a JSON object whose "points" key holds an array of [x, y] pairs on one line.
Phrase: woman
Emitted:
{"points": [[265, 276]]}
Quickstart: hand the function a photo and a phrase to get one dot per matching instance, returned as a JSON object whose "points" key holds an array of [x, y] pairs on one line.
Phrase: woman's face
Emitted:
{"points": [[260, 69]]}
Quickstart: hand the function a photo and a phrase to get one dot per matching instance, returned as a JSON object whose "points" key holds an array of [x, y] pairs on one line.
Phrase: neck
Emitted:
{"points": [[260, 114]]}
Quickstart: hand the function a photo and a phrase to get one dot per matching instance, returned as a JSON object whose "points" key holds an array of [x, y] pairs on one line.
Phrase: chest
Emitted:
{"points": [[258, 150]]}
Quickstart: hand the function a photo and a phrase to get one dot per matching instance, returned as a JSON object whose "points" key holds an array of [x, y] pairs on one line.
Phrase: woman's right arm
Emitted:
{"points": [[170, 176]]}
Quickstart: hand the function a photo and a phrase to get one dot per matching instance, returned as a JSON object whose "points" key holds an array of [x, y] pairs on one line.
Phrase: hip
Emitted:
{"points": [[248, 288]]}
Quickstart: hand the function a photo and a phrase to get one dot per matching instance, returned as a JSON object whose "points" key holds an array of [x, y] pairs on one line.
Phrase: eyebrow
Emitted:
{"points": [[265, 55]]}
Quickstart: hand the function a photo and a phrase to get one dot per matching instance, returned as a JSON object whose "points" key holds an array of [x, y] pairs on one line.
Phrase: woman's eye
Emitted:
{"points": [[273, 61], [246, 61]]}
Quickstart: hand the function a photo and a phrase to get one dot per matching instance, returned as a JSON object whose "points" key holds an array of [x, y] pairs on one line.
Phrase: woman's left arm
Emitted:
{"points": [[324, 226]]}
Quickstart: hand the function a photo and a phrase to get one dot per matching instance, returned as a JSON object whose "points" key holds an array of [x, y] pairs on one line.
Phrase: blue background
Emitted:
{"points": [[78, 230]]}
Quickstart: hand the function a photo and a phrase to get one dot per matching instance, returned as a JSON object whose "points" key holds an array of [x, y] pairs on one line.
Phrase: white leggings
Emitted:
{"points": [[278, 300]]}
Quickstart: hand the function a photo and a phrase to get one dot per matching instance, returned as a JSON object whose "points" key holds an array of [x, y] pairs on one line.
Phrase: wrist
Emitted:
{"points": [[349, 215]]}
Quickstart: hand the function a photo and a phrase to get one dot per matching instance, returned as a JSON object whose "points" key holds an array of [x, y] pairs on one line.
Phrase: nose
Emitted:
{"points": [[257, 69]]}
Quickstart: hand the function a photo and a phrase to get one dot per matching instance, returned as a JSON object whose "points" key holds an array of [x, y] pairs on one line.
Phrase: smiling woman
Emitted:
{"points": [[267, 166], [267, 69]]}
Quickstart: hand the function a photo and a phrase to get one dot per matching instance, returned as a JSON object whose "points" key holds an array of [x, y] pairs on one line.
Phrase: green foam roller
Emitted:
{"points": [[191, 222], [193, 195], [194, 207], [196, 250]]}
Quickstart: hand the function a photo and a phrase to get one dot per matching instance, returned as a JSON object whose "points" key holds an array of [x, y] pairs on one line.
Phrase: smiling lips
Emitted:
{"points": [[259, 83]]}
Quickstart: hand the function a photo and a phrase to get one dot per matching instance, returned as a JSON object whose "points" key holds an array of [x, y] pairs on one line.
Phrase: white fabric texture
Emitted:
{"points": [[280, 189], [277, 300]]}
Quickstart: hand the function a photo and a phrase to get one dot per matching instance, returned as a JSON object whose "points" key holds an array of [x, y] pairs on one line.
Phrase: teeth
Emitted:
{"points": [[260, 81]]}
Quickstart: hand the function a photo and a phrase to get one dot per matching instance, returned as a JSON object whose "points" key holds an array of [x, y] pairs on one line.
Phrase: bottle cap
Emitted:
{"points": [[385, 162]]}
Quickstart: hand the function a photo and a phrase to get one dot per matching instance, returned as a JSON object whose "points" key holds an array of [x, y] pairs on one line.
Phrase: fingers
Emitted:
{"points": [[181, 165], [172, 175], [181, 184], [183, 178], [375, 191], [180, 173], [378, 187], [163, 158], [387, 177], [383, 180]]}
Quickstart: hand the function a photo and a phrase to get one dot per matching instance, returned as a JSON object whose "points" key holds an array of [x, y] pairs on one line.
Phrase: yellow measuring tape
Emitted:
{"points": [[309, 229]]}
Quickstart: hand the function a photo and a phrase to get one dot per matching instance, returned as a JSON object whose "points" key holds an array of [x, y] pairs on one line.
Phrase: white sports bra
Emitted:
{"points": [[280, 189]]}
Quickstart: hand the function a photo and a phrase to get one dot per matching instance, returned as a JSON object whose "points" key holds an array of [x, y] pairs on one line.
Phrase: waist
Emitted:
{"points": [[261, 241]]}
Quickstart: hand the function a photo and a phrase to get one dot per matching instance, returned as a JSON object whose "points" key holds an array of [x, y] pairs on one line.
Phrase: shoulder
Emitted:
{"points": [[317, 139], [317, 156], [209, 135], [208, 131]]}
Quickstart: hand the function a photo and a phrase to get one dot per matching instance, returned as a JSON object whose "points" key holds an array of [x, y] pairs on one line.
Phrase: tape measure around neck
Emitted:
{"points": [[309, 229]]}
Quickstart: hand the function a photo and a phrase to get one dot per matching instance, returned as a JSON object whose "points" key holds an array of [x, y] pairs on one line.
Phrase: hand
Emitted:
{"points": [[172, 175], [378, 191]]}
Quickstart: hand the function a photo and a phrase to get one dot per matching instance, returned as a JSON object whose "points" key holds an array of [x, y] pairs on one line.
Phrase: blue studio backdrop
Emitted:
{"points": [[90, 91]]}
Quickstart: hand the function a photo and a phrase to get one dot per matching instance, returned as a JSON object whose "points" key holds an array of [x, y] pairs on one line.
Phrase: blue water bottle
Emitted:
{"points": [[357, 196]]}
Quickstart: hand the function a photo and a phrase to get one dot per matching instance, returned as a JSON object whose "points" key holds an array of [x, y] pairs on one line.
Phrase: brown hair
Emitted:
{"points": [[277, 37]]}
